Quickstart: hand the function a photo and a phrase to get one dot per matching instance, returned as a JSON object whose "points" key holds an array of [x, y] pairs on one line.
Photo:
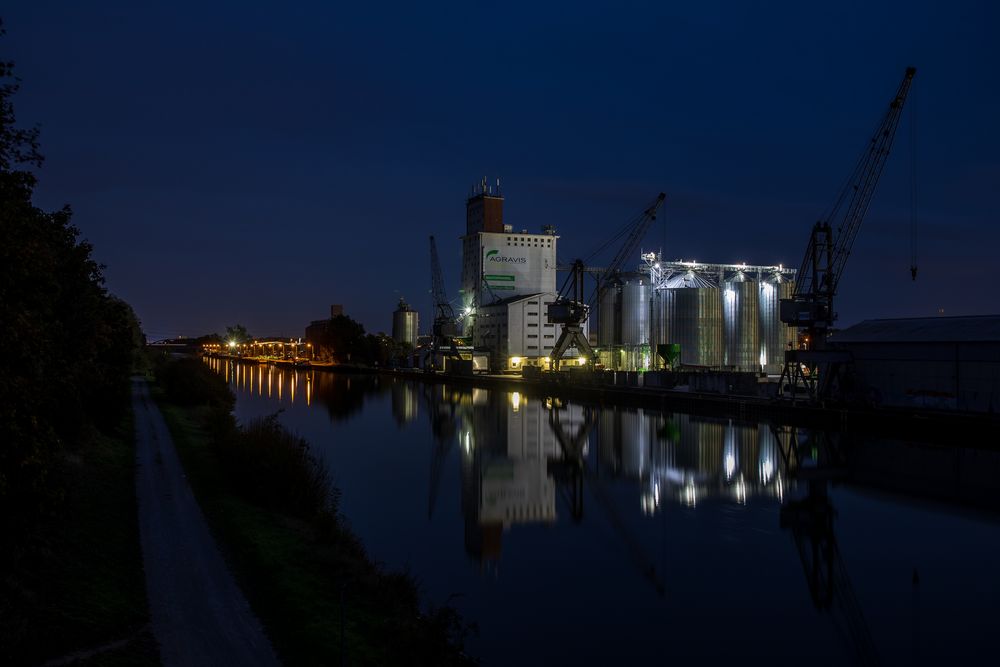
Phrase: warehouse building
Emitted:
{"points": [[946, 363]]}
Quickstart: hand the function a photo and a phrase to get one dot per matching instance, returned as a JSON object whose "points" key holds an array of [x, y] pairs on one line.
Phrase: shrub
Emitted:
{"points": [[274, 468], [188, 381]]}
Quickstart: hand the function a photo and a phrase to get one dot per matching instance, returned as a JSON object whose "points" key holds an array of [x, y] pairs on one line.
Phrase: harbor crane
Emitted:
{"points": [[811, 307], [571, 309], [445, 328]]}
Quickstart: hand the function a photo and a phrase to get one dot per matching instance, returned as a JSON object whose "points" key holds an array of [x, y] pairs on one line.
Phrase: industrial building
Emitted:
{"points": [[508, 282], [945, 363], [695, 314]]}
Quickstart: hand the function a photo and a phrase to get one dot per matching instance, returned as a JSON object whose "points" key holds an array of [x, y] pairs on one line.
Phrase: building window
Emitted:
{"points": [[548, 336], [532, 347], [532, 335], [532, 324], [532, 314], [532, 303]]}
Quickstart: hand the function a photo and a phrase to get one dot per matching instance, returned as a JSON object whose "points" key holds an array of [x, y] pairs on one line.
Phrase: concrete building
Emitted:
{"points": [[516, 331], [508, 281], [947, 363], [499, 263]]}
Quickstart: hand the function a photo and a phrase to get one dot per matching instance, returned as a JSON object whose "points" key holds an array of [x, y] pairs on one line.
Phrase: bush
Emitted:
{"points": [[189, 382], [273, 467]]}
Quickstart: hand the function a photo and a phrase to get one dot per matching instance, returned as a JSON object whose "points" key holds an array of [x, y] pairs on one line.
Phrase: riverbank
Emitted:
{"points": [[319, 595], [917, 424], [77, 594]]}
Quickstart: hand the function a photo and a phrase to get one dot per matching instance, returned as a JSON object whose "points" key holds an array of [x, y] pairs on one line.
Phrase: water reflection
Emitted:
{"points": [[523, 461]]}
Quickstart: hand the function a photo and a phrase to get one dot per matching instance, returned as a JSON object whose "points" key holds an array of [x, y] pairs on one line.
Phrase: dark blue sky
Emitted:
{"points": [[234, 162]]}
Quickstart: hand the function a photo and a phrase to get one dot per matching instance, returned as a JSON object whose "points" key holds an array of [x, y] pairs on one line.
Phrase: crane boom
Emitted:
{"points": [[445, 328], [634, 231], [817, 368], [441, 305], [833, 237]]}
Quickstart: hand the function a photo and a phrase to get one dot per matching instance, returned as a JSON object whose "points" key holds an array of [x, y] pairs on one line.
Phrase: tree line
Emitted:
{"points": [[68, 344]]}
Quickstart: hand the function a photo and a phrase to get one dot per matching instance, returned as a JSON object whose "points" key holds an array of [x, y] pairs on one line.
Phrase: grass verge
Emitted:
{"points": [[78, 586], [320, 597]]}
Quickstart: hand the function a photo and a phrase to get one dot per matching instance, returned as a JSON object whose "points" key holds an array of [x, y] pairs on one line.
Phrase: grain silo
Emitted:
{"points": [[405, 324]]}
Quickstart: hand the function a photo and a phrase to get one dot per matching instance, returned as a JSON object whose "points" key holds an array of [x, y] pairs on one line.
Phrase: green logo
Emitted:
{"points": [[491, 252]]}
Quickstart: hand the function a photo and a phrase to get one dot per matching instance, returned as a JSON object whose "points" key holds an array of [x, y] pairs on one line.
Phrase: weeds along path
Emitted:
{"points": [[199, 615]]}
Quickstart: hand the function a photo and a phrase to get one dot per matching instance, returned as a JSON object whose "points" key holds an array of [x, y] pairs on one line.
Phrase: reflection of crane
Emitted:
{"points": [[830, 243], [570, 309], [810, 521], [443, 420], [445, 327], [573, 468]]}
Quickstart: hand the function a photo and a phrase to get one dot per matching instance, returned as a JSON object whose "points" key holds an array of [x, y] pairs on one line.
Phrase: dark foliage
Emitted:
{"points": [[274, 468], [69, 346], [188, 381]]}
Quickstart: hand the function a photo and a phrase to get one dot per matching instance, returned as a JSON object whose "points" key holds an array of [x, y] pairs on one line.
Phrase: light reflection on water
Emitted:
{"points": [[596, 534]]}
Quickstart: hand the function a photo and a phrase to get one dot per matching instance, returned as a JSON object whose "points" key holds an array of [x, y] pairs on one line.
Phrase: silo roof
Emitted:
{"points": [[979, 328]]}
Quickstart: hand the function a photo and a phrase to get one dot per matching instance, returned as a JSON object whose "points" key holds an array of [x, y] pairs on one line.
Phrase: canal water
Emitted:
{"points": [[581, 534]]}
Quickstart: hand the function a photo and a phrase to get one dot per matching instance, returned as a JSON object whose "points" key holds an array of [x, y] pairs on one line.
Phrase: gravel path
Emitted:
{"points": [[199, 615]]}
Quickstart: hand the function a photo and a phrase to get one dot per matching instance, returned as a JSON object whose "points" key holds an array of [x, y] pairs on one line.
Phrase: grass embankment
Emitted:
{"points": [[272, 508], [78, 585]]}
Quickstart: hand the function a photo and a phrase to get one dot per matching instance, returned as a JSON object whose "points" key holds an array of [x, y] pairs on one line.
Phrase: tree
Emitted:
{"points": [[68, 344], [237, 334]]}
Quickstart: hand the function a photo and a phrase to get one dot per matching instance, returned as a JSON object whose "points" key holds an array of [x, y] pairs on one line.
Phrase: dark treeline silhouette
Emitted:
{"points": [[68, 345], [343, 340]]}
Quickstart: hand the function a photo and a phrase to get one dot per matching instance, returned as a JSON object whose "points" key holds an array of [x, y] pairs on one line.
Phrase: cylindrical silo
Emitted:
{"points": [[741, 323], [693, 320], [608, 329], [405, 324], [635, 311], [774, 334]]}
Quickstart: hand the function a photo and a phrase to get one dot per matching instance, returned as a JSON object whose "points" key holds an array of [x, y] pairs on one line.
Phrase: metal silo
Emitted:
{"points": [[741, 323], [774, 334], [608, 327], [405, 324], [656, 319], [693, 320], [635, 311]]}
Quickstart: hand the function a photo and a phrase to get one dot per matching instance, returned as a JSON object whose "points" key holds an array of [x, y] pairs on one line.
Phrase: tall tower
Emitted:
{"points": [[483, 213]]}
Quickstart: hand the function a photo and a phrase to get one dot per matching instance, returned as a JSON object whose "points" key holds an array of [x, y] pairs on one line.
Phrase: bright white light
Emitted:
{"points": [[232, 343], [730, 465], [515, 401], [582, 361], [766, 470]]}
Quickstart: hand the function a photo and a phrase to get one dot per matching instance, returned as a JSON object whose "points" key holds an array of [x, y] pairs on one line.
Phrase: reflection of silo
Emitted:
{"points": [[700, 445], [767, 458], [774, 334], [693, 320], [404, 402], [740, 316], [405, 323], [739, 451], [634, 442], [609, 439], [608, 310], [635, 311]]}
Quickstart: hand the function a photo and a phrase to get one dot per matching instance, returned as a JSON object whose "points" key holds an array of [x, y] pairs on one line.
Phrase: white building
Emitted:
{"points": [[508, 280], [516, 331]]}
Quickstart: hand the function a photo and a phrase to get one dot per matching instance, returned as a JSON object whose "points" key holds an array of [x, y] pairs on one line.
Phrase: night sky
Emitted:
{"points": [[236, 162]]}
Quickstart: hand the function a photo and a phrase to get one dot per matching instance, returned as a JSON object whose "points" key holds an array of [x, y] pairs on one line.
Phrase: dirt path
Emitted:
{"points": [[199, 615]]}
